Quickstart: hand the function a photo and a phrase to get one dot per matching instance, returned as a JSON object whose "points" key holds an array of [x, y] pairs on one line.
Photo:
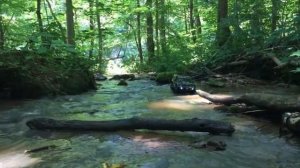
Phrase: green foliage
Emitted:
{"points": [[250, 23], [164, 77], [296, 54]]}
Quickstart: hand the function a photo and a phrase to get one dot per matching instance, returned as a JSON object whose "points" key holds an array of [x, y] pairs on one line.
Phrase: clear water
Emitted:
{"points": [[255, 144]]}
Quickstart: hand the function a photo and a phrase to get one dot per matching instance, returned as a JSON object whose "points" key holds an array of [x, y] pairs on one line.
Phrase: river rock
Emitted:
{"points": [[122, 83], [210, 145], [123, 76], [99, 77], [292, 121]]}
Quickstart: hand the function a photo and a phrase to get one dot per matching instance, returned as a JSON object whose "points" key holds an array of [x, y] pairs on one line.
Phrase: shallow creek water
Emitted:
{"points": [[255, 144]]}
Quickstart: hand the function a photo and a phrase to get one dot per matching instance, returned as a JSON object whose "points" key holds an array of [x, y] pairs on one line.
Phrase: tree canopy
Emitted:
{"points": [[152, 35]]}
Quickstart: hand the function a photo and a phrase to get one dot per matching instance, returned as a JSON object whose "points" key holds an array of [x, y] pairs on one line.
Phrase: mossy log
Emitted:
{"points": [[269, 102], [197, 125]]}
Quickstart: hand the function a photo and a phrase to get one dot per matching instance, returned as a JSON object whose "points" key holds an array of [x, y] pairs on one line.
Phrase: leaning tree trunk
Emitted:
{"points": [[70, 23], [223, 31], [150, 41], [197, 125]]}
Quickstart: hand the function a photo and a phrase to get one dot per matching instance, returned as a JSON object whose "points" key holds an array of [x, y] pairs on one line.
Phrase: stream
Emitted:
{"points": [[254, 144]]}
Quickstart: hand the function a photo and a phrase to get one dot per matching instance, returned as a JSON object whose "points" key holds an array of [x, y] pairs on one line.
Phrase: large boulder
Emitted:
{"points": [[27, 74]]}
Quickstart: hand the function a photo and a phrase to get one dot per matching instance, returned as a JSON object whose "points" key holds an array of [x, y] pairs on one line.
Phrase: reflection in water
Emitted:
{"points": [[16, 160]]}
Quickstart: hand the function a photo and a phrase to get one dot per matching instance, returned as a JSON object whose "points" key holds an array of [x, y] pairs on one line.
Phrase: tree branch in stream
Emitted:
{"points": [[269, 102], [197, 125]]}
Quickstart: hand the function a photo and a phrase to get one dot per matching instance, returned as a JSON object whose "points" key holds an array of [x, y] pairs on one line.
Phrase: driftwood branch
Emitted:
{"points": [[197, 125], [269, 102]]}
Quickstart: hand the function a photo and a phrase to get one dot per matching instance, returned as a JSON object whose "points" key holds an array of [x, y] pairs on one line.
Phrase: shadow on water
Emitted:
{"points": [[255, 144]]}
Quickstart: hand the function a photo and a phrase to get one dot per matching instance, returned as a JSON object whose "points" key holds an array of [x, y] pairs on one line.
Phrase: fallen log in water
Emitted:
{"points": [[197, 125], [269, 102]]}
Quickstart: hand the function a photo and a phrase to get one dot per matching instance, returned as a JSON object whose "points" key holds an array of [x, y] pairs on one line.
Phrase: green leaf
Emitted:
{"points": [[42, 50], [296, 54]]}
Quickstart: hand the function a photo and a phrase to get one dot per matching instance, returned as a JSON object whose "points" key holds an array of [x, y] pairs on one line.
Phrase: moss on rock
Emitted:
{"points": [[30, 75]]}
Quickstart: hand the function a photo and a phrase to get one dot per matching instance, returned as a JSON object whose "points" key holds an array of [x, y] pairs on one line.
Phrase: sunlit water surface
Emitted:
{"points": [[255, 144]]}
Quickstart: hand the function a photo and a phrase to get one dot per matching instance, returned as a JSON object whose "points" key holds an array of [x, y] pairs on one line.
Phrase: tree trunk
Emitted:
{"points": [[157, 25], [269, 102], [92, 27], [192, 23], [162, 28], [275, 17], [40, 21], [61, 29], [139, 38], [100, 33], [70, 23], [223, 31], [150, 41], [198, 23], [2, 38], [197, 125]]}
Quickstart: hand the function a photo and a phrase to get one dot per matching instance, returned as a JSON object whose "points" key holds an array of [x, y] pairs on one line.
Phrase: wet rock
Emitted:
{"points": [[291, 121], [122, 83], [146, 76], [99, 77], [210, 145]]}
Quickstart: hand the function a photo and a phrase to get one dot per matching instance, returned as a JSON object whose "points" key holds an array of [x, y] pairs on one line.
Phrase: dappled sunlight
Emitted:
{"points": [[182, 103], [171, 104], [194, 99], [150, 142], [17, 159]]}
